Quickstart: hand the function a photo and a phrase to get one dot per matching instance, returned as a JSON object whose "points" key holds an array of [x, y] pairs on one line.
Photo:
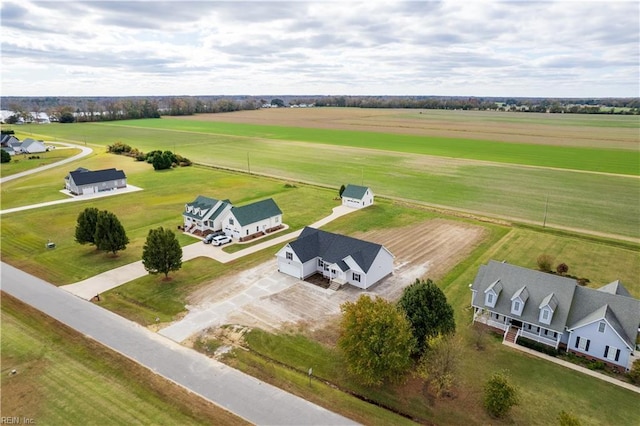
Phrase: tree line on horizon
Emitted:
{"points": [[89, 109]]}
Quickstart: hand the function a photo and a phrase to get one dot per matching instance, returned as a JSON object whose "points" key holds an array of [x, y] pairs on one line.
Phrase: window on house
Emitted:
{"points": [[612, 353], [289, 256], [582, 343], [247, 232], [490, 298], [546, 332], [231, 221], [555, 335], [601, 327], [326, 266], [545, 314], [320, 263], [356, 277]]}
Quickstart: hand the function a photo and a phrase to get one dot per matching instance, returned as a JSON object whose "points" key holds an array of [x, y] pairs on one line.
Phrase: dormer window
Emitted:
{"points": [[547, 308], [491, 294], [518, 300]]}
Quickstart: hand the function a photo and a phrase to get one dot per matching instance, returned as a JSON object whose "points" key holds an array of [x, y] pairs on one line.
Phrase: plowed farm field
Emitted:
{"points": [[426, 250]]}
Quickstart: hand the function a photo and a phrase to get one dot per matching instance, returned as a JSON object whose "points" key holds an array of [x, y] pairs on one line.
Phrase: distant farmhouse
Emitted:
{"points": [[206, 215], [13, 146], [82, 181], [597, 324], [339, 258], [357, 196]]}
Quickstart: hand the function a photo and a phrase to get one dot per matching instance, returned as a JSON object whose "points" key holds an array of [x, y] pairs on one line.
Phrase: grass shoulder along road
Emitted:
{"points": [[63, 377]]}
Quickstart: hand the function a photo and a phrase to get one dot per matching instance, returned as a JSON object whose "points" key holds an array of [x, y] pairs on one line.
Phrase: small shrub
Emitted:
{"points": [[634, 374], [583, 281], [596, 365], [119, 148], [567, 419], [537, 346], [544, 262], [500, 395], [289, 185], [562, 269]]}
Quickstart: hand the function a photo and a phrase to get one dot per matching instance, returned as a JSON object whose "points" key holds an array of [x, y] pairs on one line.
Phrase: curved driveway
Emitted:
{"points": [[85, 151], [239, 393]]}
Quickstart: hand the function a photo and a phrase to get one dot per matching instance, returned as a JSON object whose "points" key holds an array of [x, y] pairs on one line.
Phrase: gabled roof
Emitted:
{"points": [[205, 204], [521, 294], [86, 177], [623, 313], [28, 142], [202, 202], [252, 213], [538, 286], [355, 191], [334, 248], [496, 287], [615, 287], [551, 300]]}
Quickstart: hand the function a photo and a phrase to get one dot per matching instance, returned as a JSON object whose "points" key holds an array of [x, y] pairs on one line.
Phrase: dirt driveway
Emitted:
{"points": [[428, 249]]}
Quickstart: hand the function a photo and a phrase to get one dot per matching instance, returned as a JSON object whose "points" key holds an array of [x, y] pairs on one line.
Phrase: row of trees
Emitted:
{"points": [[161, 252], [160, 160]]}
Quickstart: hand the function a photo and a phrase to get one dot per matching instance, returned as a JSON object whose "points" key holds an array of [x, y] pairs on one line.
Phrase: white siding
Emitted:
{"points": [[599, 341]]}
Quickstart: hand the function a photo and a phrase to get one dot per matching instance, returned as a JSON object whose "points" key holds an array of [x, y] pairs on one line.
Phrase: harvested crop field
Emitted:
{"points": [[428, 249], [535, 128]]}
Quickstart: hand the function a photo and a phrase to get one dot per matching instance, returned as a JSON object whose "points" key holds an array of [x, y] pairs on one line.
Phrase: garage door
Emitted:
{"points": [[292, 269]]}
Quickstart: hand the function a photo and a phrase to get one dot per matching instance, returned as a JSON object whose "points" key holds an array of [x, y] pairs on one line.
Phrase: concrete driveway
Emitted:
{"points": [[85, 151]]}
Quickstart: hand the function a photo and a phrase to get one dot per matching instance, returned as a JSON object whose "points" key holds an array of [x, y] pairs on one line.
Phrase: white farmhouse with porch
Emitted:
{"points": [[597, 324], [357, 196], [205, 214], [338, 258]]}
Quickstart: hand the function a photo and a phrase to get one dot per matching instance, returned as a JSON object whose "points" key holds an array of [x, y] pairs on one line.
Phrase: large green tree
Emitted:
{"points": [[110, 234], [6, 157], [161, 252], [428, 312], [376, 340], [86, 226], [500, 395]]}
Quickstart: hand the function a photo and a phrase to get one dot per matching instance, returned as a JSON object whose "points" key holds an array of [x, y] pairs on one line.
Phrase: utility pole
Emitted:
{"points": [[248, 163], [546, 205]]}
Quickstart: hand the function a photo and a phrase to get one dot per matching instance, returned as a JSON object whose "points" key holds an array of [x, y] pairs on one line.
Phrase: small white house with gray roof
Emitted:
{"points": [[598, 324], [82, 181], [357, 197], [339, 258]]}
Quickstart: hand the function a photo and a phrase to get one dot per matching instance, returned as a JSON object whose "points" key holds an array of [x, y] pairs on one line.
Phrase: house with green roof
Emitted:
{"points": [[252, 220], [357, 197], [598, 324]]}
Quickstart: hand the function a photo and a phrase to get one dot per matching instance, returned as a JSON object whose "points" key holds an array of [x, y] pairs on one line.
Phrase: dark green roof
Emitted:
{"points": [[255, 212], [355, 191]]}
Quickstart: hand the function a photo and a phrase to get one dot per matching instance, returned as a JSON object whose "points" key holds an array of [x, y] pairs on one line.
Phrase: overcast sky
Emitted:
{"points": [[467, 48]]}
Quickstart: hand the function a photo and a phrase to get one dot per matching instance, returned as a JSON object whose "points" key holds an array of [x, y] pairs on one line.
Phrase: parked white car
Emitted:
{"points": [[220, 240]]}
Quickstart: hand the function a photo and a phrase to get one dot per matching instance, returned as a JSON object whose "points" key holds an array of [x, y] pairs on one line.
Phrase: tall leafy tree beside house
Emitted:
{"points": [[428, 312], [5, 156], [86, 226], [376, 340], [161, 252], [110, 234]]}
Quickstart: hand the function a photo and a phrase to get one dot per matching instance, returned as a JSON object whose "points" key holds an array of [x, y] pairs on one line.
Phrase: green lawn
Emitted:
{"points": [[65, 378], [161, 203], [577, 200], [21, 163]]}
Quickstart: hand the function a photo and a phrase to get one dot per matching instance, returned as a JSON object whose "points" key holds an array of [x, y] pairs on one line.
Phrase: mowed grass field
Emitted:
{"points": [[160, 203], [65, 378], [490, 177], [21, 163]]}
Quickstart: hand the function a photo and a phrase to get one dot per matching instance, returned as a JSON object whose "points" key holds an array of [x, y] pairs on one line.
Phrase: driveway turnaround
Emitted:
{"points": [[118, 276], [241, 394]]}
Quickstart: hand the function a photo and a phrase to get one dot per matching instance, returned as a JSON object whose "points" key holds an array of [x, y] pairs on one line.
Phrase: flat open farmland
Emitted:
{"points": [[486, 176]]}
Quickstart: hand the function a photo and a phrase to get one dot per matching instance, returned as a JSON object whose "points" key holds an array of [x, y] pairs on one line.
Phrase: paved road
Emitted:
{"points": [[118, 276], [243, 395], [85, 151]]}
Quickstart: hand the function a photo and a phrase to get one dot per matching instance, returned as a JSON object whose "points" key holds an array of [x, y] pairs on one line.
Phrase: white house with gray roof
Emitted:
{"points": [[82, 181], [598, 324], [357, 197], [252, 220], [337, 257]]}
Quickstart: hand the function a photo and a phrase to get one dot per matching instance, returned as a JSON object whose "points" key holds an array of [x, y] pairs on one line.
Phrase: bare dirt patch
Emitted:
{"points": [[428, 249]]}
